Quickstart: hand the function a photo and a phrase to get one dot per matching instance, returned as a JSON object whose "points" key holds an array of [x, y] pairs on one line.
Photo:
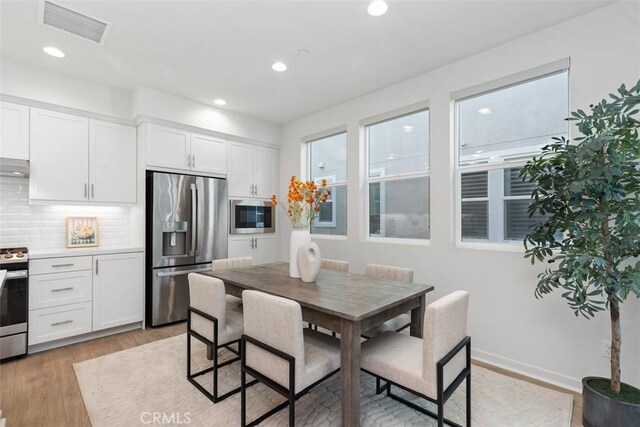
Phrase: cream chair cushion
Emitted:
{"points": [[399, 274], [207, 294], [334, 264], [227, 264], [410, 361], [277, 322]]}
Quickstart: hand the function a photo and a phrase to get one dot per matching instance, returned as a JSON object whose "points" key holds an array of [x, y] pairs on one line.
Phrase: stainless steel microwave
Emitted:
{"points": [[252, 216]]}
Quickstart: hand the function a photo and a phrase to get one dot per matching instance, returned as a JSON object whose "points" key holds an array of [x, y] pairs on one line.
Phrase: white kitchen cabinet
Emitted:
{"points": [[54, 323], [59, 153], [167, 147], [118, 290], [266, 169], [208, 154], [14, 128], [241, 166], [112, 162], [50, 290], [263, 249], [252, 170]]}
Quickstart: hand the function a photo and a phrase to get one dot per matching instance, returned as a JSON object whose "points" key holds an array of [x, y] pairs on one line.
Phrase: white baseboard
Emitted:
{"points": [[80, 338], [555, 378]]}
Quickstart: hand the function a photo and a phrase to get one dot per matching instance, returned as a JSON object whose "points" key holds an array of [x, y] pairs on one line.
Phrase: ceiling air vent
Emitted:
{"points": [[73, 22]]}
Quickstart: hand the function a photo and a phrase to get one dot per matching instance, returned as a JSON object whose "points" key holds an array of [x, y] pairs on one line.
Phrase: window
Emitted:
{"points": [[497, 131], [398, 175], [328, 160]]}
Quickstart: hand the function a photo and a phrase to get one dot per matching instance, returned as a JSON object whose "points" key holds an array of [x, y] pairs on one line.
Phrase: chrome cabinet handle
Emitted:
{"points": [[97, 266], [256, 239], [256, 193], [188, 160], [62, 289], [193, 160], [85, 190], [61, 323], [62, 265], [93, 193]]}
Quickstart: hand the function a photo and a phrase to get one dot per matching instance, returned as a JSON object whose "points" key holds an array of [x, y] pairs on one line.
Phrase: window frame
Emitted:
{"points": [[367, 180], [556, 67], [306, 143]]}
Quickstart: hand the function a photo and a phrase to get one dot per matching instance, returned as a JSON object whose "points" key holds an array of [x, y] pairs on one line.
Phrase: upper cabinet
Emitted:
{"points": [[252, 170], [14, 125], [59, 156], [172, 148], [112, 144], [80, 160]]}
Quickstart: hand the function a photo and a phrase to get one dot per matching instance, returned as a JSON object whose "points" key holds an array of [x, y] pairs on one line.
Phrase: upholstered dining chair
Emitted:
{"points": [[398, 274], [214, 322], [277, 351], [432, 367], [334, 264], [227, 264]]}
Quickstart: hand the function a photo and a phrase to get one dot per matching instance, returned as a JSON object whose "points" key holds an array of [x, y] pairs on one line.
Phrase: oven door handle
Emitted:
{"points": [[18, 274]]}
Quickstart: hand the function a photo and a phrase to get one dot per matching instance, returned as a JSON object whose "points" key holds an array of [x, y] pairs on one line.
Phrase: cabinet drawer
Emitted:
{"points": [[49, 324], [49, 290], [59, 265]]}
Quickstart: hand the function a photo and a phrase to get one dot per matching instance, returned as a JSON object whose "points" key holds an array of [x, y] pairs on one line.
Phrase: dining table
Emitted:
{"points": [[345, 303]]}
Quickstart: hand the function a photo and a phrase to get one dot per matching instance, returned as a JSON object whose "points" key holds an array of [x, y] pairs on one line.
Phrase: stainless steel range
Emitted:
{"points": [[14, 302]]}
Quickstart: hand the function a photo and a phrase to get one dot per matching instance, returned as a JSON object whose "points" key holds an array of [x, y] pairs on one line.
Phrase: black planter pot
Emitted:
{"points": [[602, 411]]}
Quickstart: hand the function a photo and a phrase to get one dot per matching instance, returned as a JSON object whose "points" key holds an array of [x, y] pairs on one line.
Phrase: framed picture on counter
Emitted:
{"points": [[82, 232]]}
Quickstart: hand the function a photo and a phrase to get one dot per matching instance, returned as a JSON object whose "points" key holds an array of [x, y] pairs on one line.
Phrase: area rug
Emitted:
{"points": [[147, 385]]}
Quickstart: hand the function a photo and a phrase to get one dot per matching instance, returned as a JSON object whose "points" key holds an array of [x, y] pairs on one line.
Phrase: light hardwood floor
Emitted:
{"points": [[41, 389]]}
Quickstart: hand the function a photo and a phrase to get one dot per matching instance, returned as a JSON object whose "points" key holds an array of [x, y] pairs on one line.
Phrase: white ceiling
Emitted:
{"points": [[224, 49]]}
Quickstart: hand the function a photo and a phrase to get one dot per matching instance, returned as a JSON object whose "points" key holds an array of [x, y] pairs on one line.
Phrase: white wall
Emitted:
{"points": [[507, 324], [43, 227]]}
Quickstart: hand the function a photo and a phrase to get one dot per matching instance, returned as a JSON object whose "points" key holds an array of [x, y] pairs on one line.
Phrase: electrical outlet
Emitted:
{"points": [[605, 349]]}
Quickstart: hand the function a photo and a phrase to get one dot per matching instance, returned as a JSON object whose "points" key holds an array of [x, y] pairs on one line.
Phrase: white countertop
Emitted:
{"points": [[105, 250]]}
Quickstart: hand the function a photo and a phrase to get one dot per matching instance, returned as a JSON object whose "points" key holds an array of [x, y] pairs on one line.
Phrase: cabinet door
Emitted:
{"points": [[167, 147], [14, 125], [208, 154], [118, 287], [240, 247], [266, 250], [266, 167], [59, 155], [112, 162], [241, 169]]}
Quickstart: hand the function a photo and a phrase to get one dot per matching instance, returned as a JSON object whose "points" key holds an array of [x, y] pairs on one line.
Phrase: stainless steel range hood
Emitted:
{"points": [[14, 167]]}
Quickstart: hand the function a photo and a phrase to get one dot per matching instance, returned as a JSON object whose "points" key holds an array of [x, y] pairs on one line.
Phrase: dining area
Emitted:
{"points": [[291, 335]]}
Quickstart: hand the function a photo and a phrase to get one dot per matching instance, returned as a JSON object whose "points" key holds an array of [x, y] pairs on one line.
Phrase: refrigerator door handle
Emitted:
{"points": [[183, 272], [194, 213]]}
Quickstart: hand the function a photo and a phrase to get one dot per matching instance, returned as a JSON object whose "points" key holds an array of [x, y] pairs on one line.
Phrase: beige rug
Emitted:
{"points": [[147, 385]]}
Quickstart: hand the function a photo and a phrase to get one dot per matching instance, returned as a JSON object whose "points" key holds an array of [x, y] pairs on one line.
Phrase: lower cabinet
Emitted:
{"points": [[263, 249], [92, 293], [117, 291]]}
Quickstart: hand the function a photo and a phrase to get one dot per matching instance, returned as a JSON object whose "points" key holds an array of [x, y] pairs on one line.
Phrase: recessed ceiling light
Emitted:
{"points": [[479, 151], [484, 111], [219, 101], [53, 51], [407, 128], [303, 52], [377, 8], [279, 66]]}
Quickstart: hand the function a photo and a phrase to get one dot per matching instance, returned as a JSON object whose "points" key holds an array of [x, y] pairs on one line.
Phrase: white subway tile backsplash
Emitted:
{"points": [[43, 227]]}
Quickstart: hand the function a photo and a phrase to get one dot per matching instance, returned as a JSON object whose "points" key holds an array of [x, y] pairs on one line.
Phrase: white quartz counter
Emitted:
{"points": [[57, 253]]}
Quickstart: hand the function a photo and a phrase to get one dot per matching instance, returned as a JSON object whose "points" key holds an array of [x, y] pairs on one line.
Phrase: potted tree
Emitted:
{"points": [[589, 195]]}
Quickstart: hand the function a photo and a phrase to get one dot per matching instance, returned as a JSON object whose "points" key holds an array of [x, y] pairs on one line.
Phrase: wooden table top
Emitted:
{"points": [[344, 295]]}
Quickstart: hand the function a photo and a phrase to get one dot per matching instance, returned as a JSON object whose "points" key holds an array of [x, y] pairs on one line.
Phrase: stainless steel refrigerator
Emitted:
{"points": [[186, 228]]}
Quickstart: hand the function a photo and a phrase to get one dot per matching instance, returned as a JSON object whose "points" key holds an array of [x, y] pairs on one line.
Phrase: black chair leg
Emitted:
{"points": [[469, 400], [243, 387], [292, 408], [440, 413]]}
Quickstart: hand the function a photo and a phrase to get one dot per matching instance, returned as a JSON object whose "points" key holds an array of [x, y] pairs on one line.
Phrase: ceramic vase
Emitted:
{"points": [[299, 237], [309, 261]]}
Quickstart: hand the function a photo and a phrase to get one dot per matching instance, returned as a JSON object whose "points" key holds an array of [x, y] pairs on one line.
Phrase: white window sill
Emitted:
{"points": [[398, 241], [488, 246], [328, 237]]}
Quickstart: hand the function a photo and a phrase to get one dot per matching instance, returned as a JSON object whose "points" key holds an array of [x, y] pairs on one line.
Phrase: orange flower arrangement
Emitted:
{"points": [[304, 200]]}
